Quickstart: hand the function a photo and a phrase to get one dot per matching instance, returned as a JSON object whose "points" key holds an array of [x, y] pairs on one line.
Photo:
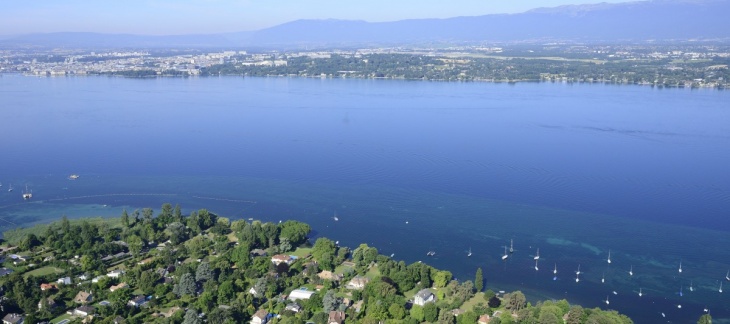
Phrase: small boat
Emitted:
{"points": [[537, 255], [1, 184], [607, 302], [679, 306], [431, 253], [631, 270], [663, 315], [603, 278], [73, 177], [555, 270], [640, 293], [578, 271], [577, 277], [511, 247], [505, 256], [680, 291], [10, 187], [680, 266], [335, 217], [690, 286], [536, 264], [615, 292], [727, 276], [720, 290], [609, 257], [706, 310], [392, 255], [469, 254]]}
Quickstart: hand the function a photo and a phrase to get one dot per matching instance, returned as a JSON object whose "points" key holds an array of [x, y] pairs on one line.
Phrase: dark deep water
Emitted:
{"points": [[574, 170]]}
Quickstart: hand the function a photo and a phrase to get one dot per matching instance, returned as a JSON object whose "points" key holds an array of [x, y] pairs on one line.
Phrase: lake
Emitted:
{"points": [[575, 170]]}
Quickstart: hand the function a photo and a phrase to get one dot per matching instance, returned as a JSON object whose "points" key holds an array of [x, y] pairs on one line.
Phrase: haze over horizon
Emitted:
{"points": [[168, 17]]}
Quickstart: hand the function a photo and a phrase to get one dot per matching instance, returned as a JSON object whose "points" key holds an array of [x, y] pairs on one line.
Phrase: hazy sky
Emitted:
{"points": [[160, 17]]}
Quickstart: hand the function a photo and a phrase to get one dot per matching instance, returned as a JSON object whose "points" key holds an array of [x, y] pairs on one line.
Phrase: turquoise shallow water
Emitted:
{"points": [[408, 167]]}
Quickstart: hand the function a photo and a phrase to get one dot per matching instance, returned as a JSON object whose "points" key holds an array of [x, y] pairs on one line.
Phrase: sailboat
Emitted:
{"points": [[555, 270], [511, 246], [680, 266], [603, 278], [10, 187], [631, 270], [607, 302], [690, 286], [469, 254], [640, 293], [727, 276], [680, 291], [609, 257], [578, 272], [505, 256], [720, 290], [536, 264], [335, 217], [537, 256], [27, 194]]}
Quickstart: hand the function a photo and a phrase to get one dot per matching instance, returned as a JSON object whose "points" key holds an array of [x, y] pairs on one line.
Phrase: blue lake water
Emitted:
{"points": [[408, 167]]}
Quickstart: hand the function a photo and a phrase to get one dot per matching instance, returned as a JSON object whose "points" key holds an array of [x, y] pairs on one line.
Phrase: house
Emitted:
{"points": [[293, 307], [279, 258], [96, 279], [64, 281], [83, 297], [336, 317], [301, 293], [84, 311], [119, 286], [5, 271], [329, 275], [50, 286], [423, 297], [13, 318], [484, 319], [51, 303], [260, 317], [138, 301], [115, 273], [83, 277], [119, 320], [258, 252], [357, 283]]}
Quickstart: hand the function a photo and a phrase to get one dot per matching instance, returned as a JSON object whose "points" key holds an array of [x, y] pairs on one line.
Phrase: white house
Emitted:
{"points": [[424, 296], [279, 258], [260, 317], [300, 294], [357, 283], [64, 281], [115, 273]]}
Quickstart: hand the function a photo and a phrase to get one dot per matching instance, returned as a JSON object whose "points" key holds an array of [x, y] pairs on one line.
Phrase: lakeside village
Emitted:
{"points": [[171, 268], [673, 66]]}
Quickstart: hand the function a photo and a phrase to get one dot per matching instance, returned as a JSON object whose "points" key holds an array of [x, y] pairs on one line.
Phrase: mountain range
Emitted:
{"points": [[656, 20]]}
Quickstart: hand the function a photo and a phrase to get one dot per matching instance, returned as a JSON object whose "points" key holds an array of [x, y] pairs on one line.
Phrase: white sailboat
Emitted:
{"points": [[577, 274], [607, 302], [578, 271], [10, 187], [631, 270], [603, 278], [469, 254], [680, 291], [537, 256], [555, 270], [609, 257], [690, 286], [640, 293], [505, 256], [27, 194], [727, 276], [720, 290], [536, 264], [511, 246], [335, 217], [680, 266]]}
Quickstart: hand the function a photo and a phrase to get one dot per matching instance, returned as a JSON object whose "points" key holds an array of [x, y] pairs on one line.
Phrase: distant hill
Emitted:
{"points": [[631, 21]]}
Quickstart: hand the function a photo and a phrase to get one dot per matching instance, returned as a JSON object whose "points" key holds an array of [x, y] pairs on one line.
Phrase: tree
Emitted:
{"points": [[30, 241], [226, 292], [430, 312], [575, 315], [441, 278], [135, 244], [330, 302], [417, 313], [203, 272], [186, 286], [397, 311], [446, 317], [479, 280], [294, 231], [516, 301], [178, 233], [148, 281], [705, 319], [191, 317]]}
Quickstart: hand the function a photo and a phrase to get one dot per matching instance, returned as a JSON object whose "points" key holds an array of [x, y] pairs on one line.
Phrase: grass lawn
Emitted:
{"points": [[469, 304], [42, 271], [373, 272], [61, 318], [343, 269], [301, 252]]}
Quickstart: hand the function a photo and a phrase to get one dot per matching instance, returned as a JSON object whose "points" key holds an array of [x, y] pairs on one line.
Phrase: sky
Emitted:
{"points": [[170, 17]]}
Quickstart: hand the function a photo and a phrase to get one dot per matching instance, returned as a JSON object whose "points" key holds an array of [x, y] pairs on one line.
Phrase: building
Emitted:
{"points": [[119, 286], [51, 303], [84, 311], [64, 281], [45, 286], [115, 274], [260, 317], [301, 293], [5, 271], [13, 319], [329, 275], [423, 297], [83, 297], [138, 301], [336, 317], [358, 283], [484, 319], [279, 258]]}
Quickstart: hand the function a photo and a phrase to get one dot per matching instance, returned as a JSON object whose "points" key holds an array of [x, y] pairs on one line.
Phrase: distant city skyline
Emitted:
{"points": [[170, 17]]}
